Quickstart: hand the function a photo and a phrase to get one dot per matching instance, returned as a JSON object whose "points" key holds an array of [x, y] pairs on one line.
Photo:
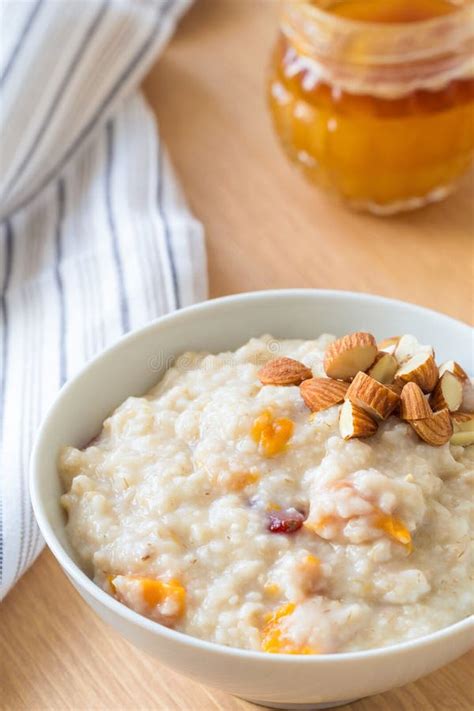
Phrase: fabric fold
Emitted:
{"points": [[97, 238]]}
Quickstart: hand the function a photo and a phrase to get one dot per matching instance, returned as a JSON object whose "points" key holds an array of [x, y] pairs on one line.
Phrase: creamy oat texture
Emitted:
{"points": [[176, 490]]}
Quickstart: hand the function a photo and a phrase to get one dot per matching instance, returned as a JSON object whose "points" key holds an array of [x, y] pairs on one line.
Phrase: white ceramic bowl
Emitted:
{"points": [[131, 367]]}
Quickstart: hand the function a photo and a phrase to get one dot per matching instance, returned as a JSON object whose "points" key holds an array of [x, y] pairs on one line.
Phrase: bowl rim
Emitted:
{"points": [[84, 582]]}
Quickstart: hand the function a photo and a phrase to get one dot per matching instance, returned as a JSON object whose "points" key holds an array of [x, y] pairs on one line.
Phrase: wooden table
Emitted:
{"points": [[265, 228]]}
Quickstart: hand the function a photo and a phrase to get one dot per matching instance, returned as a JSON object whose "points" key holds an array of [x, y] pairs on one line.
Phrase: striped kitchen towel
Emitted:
{"points": [[95, 237]]}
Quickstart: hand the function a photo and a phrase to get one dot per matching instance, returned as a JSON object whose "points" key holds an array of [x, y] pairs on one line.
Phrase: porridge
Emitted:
{"points": [[293, 496]]}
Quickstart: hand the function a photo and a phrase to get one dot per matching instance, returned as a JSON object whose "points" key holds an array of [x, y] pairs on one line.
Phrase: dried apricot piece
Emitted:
{"points": [[396, 529], [271, 434], [273, 641]]}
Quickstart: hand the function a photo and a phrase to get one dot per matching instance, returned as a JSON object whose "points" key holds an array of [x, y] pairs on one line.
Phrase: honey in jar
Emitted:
{"points": [[374, 99]]}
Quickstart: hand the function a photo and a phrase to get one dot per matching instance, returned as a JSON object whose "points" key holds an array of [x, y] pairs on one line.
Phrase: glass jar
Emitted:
{"points": [[374, 99]]}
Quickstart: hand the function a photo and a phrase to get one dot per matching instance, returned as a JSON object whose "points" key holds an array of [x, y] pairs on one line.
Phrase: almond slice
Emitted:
{"points": [[355, 422], [435, 430], [376, 399], [462, 439], [463, 421], [413, 404], [447, 393], [346, 356], [421, 369], [322, 393], [389, 344], [384, 368], [409, 346], [450, 366], [284, 371]]}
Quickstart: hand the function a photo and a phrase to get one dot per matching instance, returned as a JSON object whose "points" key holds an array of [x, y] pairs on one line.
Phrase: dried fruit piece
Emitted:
{"points": [[285, 521], [389, 344], [413, 404], [409, 346], [284, 371], [271, 434], [273, 640], [271, 589], [159, 599], [318, 526], [355, 422], [396, 529], [435, 430], [421, 369], [384, 368], [322, 393], [376, 399], [349, 354], [447, 393], [451, 366], [236, 481]]}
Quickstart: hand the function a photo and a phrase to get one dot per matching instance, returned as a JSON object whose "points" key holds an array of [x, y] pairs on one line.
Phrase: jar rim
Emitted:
{"points": [[385, 43], [464, 8]]}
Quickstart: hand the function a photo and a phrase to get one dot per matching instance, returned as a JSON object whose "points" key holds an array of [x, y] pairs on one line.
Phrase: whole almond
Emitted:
{"points": [[435, 430], [349, 354], [413, 404], [375, 398], [322, 393], [284, 371]]}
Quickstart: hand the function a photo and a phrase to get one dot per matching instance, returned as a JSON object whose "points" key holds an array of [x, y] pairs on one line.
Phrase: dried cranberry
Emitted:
{"points": [[285, 521]]}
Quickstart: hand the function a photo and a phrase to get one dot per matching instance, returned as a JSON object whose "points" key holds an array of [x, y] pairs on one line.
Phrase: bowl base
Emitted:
{"points": [[300, 707]]}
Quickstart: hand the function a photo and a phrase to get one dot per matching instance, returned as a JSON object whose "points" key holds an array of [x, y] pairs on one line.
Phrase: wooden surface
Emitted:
{"points": [[265, 227]]}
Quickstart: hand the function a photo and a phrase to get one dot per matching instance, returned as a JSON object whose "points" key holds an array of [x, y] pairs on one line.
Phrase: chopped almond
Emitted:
{"points": [[384, 368], [354, 422], [413, 404], [435, 430], [346, 356], [322, 393], [451, 366], [389, 344], [463, 421], [420, 369], [447, 393], [408, 346], [462, 439], [467, 404], [284, 371], [376, 399], [463, 424]]}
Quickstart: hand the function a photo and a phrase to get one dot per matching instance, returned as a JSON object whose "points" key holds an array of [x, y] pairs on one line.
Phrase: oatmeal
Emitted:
{"points": [[288, 516]]}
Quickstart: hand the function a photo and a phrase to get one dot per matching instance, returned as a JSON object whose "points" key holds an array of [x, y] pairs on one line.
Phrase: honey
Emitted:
{"points": [[393, 11], [374, 99]]}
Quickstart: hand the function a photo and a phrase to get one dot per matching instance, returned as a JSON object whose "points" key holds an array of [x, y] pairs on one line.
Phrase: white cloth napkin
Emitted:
{"points": [[95, 238]]}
